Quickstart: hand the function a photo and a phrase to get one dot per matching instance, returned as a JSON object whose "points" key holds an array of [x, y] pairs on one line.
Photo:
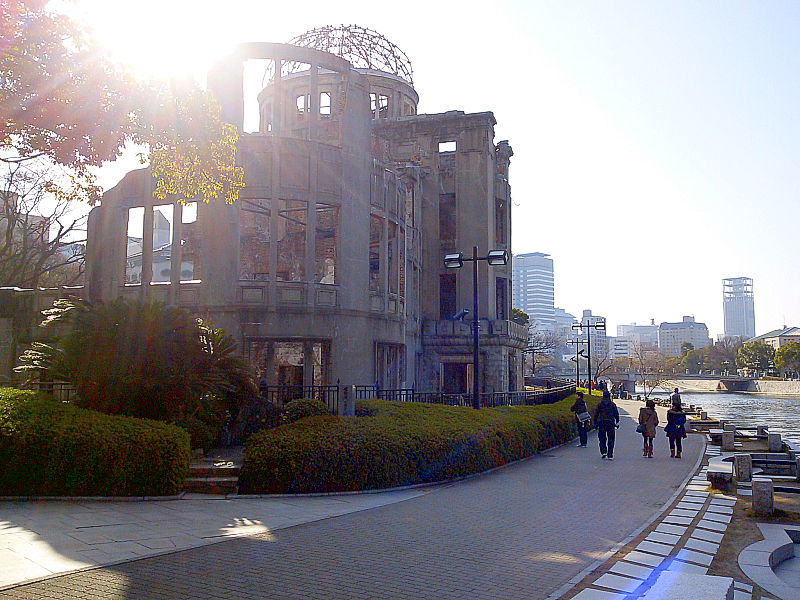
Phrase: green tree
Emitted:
{"points": [[519, 317], [146, 360], [63, 101], [721, 356], [787, 357], [692, 360], [755, 356], [686, 347]]}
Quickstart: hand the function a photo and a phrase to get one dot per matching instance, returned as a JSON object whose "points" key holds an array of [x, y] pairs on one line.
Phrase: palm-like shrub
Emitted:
{"points": [[143, 359]]}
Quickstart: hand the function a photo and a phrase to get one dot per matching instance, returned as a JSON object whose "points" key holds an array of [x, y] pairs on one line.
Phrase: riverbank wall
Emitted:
{"points": [[773, 388]]}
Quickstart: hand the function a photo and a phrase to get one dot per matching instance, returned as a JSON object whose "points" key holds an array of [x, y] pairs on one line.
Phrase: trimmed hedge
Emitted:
{"points": [[397, 444], [52, 449]]}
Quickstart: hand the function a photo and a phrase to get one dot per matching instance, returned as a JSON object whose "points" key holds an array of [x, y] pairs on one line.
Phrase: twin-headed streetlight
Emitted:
{"points": [[456, 261], [601, 325]]}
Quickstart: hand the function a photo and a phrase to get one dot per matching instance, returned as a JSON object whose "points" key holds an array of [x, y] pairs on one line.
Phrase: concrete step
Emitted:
{"points": [[211, 485], [211, 470]]}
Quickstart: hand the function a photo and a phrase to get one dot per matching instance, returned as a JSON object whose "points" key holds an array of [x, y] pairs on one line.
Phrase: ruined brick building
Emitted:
{"points": [[329, 267]]}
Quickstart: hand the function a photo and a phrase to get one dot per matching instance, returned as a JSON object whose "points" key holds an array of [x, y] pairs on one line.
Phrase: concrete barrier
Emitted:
{"points": [[728, 441], [763, 496], [774, 443], [744, 467]]}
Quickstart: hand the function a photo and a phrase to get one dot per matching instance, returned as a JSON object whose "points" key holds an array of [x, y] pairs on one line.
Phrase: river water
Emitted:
{"points": [[781, 414]]}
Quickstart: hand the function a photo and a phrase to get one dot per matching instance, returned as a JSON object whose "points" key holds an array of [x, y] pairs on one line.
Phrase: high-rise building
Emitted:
{"points": [[532, 289], [737, 307], [671, 336]]}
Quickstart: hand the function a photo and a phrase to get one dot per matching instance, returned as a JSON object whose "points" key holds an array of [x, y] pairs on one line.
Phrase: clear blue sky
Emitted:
{"points": [[656, 143]]}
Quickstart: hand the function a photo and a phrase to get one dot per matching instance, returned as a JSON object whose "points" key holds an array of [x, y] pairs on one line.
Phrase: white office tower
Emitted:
{"points": [[532, 289], [737, 307]]}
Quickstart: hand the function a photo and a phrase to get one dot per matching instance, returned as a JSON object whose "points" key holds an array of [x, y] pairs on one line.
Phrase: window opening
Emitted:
{"points": [[447, 296], [291, 240], [447, 218], [375, 243], [190, 243], [447, 147], [325, 243], [379, 105], [133, 252], [325, 104], [500, 287], [402, 253], [254, 240], [393, 257], [500, 228], [162, 243]]}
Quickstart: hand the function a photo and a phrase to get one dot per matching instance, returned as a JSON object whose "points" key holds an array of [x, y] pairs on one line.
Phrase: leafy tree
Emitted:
{"points": [[787, 357], [146, 360], [686, 347], [519, 317], [692, 360], [651, 367], [62, 100], [721, 356], [36, 231], [755, 356]]}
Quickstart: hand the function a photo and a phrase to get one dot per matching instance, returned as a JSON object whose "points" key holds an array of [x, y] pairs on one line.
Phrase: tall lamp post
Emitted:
{"points": [[578, 353], [601, 325], [456, 261]]}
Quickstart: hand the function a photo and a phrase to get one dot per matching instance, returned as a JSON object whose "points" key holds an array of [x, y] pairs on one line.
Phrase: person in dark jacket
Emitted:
{"points": [[676, 428], [579, 408], [606, 418]]}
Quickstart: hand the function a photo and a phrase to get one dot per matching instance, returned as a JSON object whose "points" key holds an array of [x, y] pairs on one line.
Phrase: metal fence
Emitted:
{"points": [[279, 395], [488, 400]]}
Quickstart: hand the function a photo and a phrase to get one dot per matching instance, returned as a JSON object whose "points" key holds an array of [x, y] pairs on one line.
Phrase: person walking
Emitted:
{"points": [[675, 397], [606, 418], [582, 418], [676, 428], [648, 421]]}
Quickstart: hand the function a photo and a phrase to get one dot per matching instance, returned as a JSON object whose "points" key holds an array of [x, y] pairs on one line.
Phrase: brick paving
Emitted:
{"points": [[519, 532]]}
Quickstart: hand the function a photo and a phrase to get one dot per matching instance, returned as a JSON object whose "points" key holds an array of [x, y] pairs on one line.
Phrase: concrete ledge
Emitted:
{"points": [[684, 585], [759, 560]]}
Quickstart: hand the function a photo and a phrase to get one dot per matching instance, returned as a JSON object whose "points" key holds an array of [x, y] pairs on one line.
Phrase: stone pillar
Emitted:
{"points": [[762, 430], [704, 416], [774, 443], [347, 400], [729, 427], [744, 466], [763, 496], [728, 441]]}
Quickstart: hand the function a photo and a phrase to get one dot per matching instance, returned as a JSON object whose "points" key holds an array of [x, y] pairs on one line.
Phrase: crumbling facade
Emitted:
{"points": [[329, 268]]}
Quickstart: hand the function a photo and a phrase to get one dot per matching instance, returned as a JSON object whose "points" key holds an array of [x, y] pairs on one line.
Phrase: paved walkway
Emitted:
{"points": [[522, 531]]}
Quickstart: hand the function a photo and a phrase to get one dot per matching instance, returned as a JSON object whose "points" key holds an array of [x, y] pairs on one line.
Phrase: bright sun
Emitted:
{"points": [[157, 37]]}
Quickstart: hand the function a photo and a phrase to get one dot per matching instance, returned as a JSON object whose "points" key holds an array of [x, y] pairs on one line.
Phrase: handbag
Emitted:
{"points": [[583, 417], [640, 428]]}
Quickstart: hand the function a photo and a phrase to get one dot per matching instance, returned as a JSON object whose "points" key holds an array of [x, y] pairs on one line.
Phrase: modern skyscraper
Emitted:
{"points": [[737, 307], [532, 288]]}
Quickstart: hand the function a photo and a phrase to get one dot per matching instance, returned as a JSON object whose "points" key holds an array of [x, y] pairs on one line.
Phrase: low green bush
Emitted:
{"points": [[303, 408], [48, 448], [396, 444]]}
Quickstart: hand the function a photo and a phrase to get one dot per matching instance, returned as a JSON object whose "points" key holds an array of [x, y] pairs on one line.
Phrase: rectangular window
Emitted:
{"points": [[291, 240], [190, 243], [389, 366], [375, 244], [402, 253], [325, 104], [447, 296], [325, 243], [162, 243], [379, 105], [500, 227], [254, 240], [447, 147], [447, 218], [501, 286], [393, 258], [133, 252]]}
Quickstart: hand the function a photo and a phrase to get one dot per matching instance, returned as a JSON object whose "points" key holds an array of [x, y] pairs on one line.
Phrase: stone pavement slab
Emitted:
{"points": [[524, 531]]}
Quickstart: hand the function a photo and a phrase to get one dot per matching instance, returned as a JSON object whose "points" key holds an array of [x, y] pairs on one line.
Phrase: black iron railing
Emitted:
{"points": [[279, 395], [488, 400]]}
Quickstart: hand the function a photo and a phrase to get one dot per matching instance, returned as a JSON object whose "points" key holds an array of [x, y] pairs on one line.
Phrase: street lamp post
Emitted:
{"points": [[578, 353], [601, 325], [456, 261]]}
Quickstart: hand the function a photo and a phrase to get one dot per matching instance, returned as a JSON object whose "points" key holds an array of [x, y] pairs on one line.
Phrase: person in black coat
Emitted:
{"points": [[606, 418], [579, 408], [676, 428]]}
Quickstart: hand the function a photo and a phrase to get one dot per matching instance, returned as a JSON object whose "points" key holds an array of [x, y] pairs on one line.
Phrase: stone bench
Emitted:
{"points": [[720, 473]]}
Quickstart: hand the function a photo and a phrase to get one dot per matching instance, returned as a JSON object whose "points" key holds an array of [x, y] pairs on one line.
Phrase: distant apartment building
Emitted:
{"points": [[630, 336], [532, 289], [671, 336], [737, 307], [562, 324], [779, 337]]}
